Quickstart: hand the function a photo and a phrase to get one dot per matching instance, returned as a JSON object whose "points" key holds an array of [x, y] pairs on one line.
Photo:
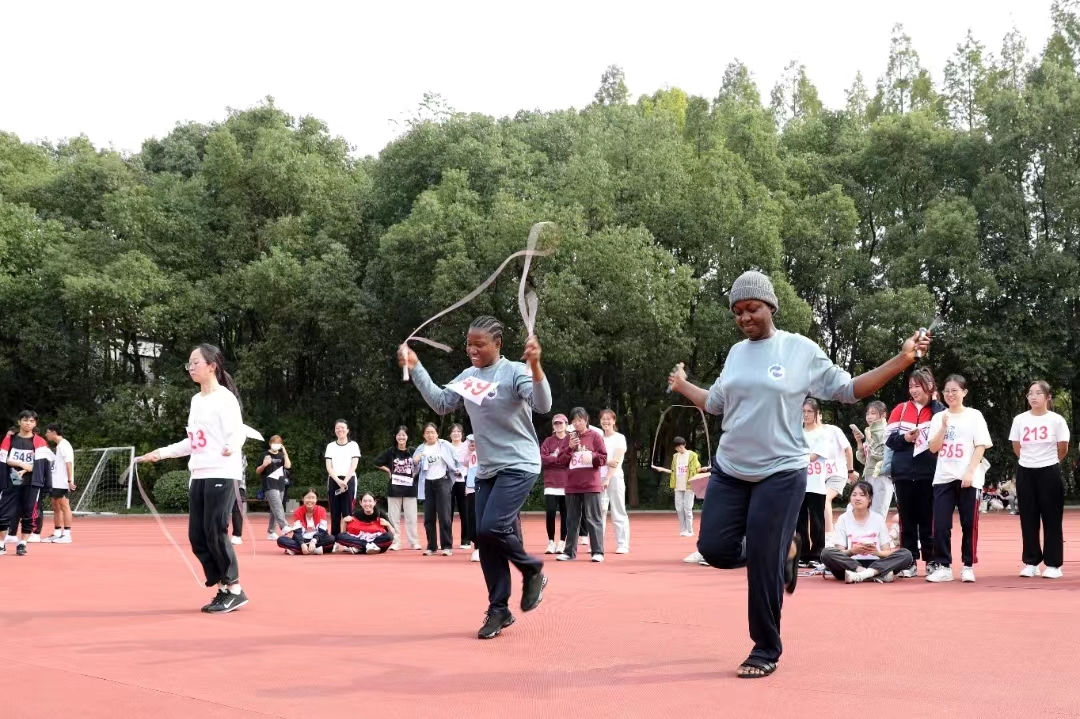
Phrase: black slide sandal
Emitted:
{"points": [[759, 671]]}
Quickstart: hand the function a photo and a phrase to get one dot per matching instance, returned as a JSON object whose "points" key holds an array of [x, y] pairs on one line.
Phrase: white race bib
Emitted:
{"points": [[401, 480], [922, 440], [581, 460], [474, 390]]}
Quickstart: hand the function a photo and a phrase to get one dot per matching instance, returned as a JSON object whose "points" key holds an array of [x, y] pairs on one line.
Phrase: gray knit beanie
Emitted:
{"points": [[753, 285]]}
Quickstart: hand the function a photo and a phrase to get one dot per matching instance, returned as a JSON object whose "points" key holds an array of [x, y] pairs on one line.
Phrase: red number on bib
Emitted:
{"points": [[198, 440]]}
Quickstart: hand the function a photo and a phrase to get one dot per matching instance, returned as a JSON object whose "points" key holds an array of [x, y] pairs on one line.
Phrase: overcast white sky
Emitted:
{"points": [[120, 72]]}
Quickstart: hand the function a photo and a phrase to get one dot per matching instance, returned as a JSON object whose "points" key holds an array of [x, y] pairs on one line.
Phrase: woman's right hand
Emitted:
{"points": [[406, 357], [677, 377], [912, 435], [154, 456]]}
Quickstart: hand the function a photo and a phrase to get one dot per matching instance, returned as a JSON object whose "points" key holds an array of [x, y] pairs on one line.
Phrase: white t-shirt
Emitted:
{"points": [[341, 457], [64, 454], [436, 466], [850, 531], [829, 443], [1038, 436], [616, 450], [462, 452], [214, 422], [966, 431]]}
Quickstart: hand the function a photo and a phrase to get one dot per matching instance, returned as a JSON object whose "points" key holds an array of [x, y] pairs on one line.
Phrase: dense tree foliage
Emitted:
{"points": [[263, 234]]}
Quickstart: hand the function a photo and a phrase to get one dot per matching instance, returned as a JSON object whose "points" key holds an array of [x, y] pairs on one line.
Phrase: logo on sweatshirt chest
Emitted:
{"points": [[776, 372]]}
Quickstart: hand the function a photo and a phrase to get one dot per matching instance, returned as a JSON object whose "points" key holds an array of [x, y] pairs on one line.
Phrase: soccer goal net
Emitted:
{"points": [[103, 480]]}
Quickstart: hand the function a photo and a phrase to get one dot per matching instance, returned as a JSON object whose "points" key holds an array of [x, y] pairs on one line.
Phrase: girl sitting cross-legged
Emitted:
{"points": [[308, 534]]}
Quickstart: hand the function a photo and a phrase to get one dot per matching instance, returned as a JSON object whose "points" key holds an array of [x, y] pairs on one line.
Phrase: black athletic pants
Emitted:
{"points": [[459, 504], [210, 503], [811, 527], [1042, 501], [915, 505], [437, 494], [238, 514], [341, 505], [555, 503], [19, 505], [948, 497]]}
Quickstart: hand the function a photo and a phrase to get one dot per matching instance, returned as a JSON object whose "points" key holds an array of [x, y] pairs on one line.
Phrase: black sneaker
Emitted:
{"points": [[218, 596], [21, 550], [229, 603], [532, 591], [495, 622]]}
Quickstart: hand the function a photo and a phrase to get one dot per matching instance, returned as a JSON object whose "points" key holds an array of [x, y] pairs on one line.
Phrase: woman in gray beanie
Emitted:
{"points": [[759, 472]]}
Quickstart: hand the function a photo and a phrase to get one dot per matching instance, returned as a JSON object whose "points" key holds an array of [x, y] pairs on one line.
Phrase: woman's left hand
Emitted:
{"points": [[917, 343], [532, 352], [969, 478], [227, 452]]}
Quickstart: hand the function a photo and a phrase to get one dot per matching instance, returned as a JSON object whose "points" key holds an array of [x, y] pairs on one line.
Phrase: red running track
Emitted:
{"points": [[110, 626]]}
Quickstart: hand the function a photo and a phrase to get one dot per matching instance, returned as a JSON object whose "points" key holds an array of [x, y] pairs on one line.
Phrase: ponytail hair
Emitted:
{"points": [[213, 355]]}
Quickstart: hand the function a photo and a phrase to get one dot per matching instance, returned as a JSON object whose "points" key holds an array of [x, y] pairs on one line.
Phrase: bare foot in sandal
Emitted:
{"points": [[756, 671]]}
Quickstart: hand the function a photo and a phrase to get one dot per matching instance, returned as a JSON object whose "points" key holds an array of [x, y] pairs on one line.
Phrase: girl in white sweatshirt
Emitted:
{"points": [[215, 436]]}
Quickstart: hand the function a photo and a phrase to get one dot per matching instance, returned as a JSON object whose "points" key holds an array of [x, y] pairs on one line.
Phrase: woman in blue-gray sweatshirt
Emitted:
{"points": [[759, 471], [500, 397]]}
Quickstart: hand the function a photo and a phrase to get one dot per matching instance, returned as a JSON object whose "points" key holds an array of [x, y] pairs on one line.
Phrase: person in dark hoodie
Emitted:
{"points": [[913, 468], [26, 460], [555, 457]]}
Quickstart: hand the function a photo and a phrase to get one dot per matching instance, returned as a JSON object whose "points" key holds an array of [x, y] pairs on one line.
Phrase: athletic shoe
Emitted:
{"points": [[34, 538], [563, 558], [804, 565], [11, 539], [230, 602], [371, 548], [886, 578], [66, 539], [622, 550], [852, 577], [237, 540], [582, 540], [317, 550], [465, 546], [1052, 573], [494, 623], [21, 550], [305, 548], [931, 567], [967, 574], [685, 534], [532, 591], [475, 556], [1030, 570], [694, 558], [560, 546], [218, 596], [429, 552], [941, 574], [271, 537], [339, 548], [3, 549], [416, 547], [448, 552], [290, 552], [395, 547], [910, 573], [550, 548], [598, 557]]}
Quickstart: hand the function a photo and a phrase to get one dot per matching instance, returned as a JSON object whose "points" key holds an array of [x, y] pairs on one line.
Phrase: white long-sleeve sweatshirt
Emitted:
{"points": [[214, 423]]}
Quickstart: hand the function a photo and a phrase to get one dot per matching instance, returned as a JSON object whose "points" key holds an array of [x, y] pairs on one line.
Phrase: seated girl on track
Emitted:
{"points": [[862, 548], [368, 531], [308, 534]]}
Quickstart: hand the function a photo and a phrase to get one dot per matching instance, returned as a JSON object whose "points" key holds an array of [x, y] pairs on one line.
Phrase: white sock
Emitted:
{"points": [[58, 532], [234, 589], [66, 533]]}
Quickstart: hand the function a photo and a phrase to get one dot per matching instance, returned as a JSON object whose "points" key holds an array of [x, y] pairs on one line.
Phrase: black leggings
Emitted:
{"points": [[341, 505], [553, 503]]}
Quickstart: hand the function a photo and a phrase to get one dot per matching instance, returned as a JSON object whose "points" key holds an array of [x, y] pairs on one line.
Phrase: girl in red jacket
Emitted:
{"points": [[308, 533], [555, 457], [583, 486]]}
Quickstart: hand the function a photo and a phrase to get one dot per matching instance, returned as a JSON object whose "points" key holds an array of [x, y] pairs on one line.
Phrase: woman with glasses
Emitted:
{"points": [[215, 437], [1040, 440]]}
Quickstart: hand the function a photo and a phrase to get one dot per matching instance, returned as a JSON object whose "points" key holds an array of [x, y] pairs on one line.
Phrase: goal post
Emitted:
{"points": [[104, 480]]}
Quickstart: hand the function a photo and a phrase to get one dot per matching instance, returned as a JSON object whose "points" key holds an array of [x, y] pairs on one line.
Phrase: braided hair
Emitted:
{"points": [[487, 323]]}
